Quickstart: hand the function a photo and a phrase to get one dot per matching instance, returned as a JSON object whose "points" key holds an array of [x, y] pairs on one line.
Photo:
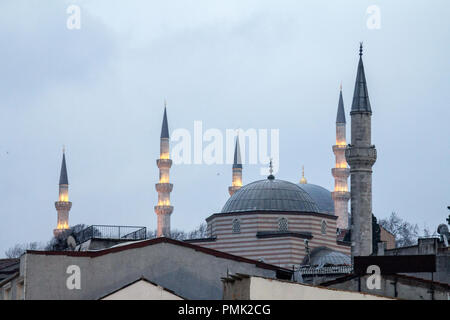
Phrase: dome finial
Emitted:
{"points": [[303, 179], [271, 176]]}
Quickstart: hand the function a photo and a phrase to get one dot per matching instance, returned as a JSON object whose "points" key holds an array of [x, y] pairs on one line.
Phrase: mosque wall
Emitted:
{"points": [[259, 236]]}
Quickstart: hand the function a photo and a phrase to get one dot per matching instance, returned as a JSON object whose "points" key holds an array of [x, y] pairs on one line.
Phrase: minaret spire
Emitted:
{"points": [[63, 205], [236, 182], [361, 156], [361, 94], [163, 209], [340, 172], [303, 179]]}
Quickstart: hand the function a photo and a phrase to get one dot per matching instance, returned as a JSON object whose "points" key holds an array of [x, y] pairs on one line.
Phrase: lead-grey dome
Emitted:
{"points": [[323, 256], [270, 195], [321, 196]]}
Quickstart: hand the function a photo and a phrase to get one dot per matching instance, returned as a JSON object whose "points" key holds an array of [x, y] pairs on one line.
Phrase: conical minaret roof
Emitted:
{"points": [[340, 118], [237, 163], [165, 126], [361, 101], [63, 176]]}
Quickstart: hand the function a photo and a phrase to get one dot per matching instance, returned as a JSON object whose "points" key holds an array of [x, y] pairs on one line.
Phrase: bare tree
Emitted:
{"points": [[199, 232], [59, 243], [17, 250], [405, 233]]}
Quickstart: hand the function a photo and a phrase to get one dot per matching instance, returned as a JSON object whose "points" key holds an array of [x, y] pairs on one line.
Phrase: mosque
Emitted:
{"points": [[280, 222]]}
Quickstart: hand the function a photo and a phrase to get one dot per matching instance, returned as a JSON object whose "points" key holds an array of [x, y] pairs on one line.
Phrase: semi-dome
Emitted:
{"points": [[321, 196], [270, 195], [323, 256]]}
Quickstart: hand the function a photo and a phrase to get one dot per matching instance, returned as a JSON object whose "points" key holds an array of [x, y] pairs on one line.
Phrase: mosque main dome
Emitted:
{"points": [[321, 196], [271, 195]]}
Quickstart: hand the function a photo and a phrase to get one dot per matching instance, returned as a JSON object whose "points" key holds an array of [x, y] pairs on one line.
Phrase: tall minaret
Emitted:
{"points": [[340, 172], [163, 209], [236, 183], [63, 204], [361, 155]]}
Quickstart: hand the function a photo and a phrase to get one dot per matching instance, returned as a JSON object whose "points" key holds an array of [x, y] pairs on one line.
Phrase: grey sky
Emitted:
{"points": [[250, 64]]}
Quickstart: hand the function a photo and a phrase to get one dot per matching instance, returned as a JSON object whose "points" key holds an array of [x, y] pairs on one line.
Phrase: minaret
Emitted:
{"points": [[163, 209], [340, 172], [63, 204], [361, 155], [303, 179], [236, 182]]}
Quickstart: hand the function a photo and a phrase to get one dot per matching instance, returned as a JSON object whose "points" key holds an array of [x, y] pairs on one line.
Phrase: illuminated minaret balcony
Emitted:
{"points": [[63, 205], [163, 209], [341, 172]]}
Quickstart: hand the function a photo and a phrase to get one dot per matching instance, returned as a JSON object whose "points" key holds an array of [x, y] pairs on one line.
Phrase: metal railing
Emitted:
{"points": [[326, 270], [111, 232]]}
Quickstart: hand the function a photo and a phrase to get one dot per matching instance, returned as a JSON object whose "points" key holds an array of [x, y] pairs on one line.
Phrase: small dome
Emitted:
{"points": [[323, 256], [270, 195], [321, 196]]}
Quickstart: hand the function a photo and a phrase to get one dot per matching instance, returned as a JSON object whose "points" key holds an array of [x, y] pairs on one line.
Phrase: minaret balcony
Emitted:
{"points": [[164, 187], [164, 163], [361, 156], [339, 148], [340, 172], [233, 189], [163, 209], [63, 205], [340, 195]]}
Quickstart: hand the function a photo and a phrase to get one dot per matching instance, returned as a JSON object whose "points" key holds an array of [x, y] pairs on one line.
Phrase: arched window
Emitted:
{"points": [[324, 227], [236, 225], [282, 224]]}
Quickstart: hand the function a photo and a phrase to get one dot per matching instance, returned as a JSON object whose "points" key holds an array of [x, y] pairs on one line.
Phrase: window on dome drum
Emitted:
{"points": [[282, 224], [236, 226], [324, 227]]}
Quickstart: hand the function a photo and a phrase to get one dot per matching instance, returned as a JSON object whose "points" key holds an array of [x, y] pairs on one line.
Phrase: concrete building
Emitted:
{"points": [[63, 205], [244, 287], [388, 238], [361, 155], [142, 289], [191, 271], [394, 286], [427, 246]]}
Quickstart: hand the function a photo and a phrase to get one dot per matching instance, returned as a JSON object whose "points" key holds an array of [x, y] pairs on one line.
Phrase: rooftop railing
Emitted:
{"points": [[111, 233], [326, 270]]}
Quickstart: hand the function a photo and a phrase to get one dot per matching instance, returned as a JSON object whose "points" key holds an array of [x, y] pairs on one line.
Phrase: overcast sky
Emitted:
{"points": [[256, 64]]}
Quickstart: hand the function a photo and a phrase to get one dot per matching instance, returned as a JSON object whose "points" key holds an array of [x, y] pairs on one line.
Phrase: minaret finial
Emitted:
{"points": [[271, 176], [340, 87], [360, 49], [165, 102], [303, 179], [64, 149]]}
